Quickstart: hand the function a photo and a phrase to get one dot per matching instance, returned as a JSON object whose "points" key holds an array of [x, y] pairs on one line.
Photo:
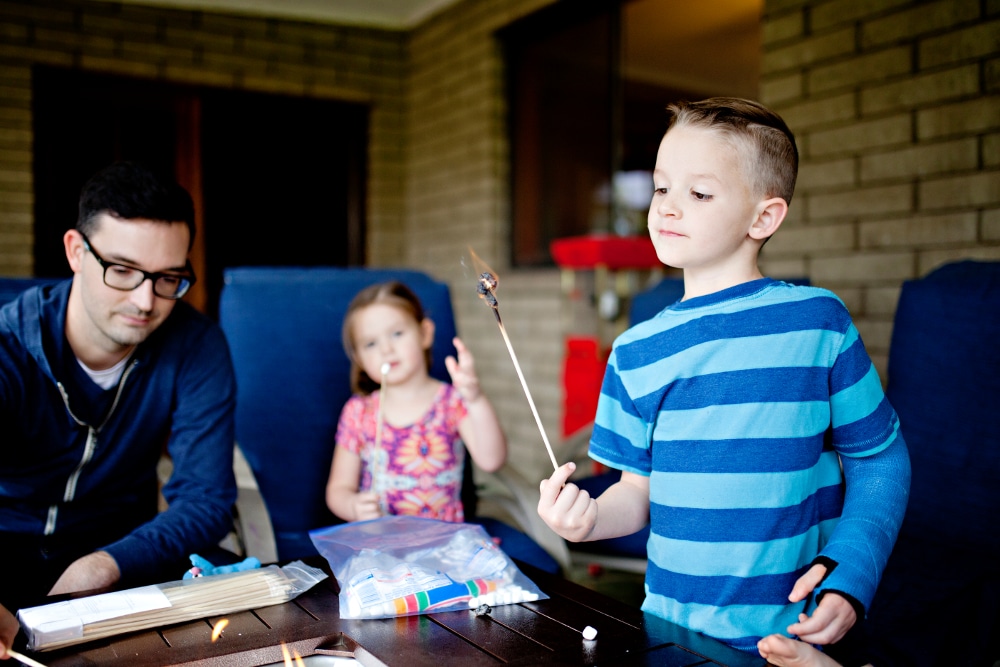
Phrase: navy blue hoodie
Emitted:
{"points": [[73, 456]]}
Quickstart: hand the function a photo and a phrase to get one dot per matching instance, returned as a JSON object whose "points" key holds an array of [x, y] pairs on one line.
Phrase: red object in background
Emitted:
{"points": [[583, 373], [607, 250]]}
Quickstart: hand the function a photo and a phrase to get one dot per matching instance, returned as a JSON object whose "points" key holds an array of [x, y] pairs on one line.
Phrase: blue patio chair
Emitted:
{"points": [[937, 603], [11, 287], [284, 330]]}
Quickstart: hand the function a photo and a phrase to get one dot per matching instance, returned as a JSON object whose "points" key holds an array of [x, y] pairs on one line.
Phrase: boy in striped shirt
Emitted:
{"points": [[747, 419]]}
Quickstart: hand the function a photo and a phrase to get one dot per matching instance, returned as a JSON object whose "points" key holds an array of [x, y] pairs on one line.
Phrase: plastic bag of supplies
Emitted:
{"points": [[404, 565]]}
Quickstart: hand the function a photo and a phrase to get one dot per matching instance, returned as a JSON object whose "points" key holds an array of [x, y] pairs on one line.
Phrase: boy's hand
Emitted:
{"points": [[366, 506], [8, 630], [567, 509], [831, 620], [463, 372]]}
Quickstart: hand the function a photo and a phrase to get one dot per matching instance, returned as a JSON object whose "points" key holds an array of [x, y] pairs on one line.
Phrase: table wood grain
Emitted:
{"points": [[545, 632]]}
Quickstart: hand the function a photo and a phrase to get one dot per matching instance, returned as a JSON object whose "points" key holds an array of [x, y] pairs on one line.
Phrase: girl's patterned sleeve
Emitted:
{"points": [[350, 425]]}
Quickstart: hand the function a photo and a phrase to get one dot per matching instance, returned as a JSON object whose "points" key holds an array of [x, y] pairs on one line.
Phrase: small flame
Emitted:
{"points": [[292, 659], [486, 280], [219, 627]]}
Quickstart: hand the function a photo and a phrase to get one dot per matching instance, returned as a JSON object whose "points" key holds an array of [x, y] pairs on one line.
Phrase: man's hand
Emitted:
{"points": [[567, 509], [8, 630], [90, 572], [833, 617]]}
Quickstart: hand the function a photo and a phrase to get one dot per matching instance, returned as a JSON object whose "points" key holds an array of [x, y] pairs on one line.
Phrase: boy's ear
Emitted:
{"points": [[427, 333], [770, 214]]}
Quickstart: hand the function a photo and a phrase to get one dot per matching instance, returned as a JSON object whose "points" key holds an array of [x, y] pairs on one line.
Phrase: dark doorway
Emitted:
{"points": [[277, 180]]}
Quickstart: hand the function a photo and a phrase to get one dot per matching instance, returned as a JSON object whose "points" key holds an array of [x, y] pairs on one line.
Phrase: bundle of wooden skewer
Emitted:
{"points": [[66, 623]]}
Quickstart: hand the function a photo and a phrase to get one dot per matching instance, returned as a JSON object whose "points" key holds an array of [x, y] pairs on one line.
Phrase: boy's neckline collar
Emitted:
{"points": [[727, 294]]}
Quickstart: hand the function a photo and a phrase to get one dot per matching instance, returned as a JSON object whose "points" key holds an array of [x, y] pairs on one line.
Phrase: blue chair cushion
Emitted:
{"points": [[944, 384], [284, 330]]}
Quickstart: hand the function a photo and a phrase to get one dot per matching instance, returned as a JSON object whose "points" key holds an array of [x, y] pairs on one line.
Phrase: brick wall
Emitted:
{"points": [[240, 53], [896, 110], [457, 198], [895, 103]]}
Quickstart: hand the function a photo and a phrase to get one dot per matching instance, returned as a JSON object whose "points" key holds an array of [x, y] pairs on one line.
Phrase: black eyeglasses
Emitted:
{"points": [[127, 278]]}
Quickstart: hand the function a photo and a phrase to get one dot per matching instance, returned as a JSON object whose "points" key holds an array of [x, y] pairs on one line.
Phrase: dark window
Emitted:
{"points": [[587, 85], [271, 175]]}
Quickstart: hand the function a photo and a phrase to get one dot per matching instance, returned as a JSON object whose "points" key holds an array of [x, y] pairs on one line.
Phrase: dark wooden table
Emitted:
{"points": [[546, 632]]}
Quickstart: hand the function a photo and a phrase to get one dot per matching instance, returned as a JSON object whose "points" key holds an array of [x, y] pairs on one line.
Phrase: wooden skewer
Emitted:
{"points": [[524, 385], [486, 286], [24, 659], [209, 596], [378, 429]]}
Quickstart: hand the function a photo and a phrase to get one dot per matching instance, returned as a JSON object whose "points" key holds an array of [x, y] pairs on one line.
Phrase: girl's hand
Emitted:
{"points": [[366, 507], [463, 372]]}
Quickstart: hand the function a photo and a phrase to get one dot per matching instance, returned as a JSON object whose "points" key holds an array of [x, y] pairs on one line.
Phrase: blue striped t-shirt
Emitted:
{"points": [[737, 405]]}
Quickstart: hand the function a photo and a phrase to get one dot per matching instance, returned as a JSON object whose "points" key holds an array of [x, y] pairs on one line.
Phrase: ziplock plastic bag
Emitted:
{"points": [[404, 565]]}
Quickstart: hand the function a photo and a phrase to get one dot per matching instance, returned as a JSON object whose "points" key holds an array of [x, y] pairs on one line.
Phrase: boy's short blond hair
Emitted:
{"points": [[763, 142]]}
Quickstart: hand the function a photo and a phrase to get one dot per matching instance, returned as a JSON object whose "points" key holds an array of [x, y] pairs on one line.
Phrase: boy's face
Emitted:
{"points": [[702, 207]]}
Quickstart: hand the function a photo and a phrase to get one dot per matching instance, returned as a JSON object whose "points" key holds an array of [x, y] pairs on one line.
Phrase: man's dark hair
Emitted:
{"points": [[129, 190]]}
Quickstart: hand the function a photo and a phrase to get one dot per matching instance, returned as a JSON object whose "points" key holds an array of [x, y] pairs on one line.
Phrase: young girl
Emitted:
{"points": [[417, 470]]}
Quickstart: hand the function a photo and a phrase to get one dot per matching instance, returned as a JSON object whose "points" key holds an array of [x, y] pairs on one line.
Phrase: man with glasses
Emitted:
{"points": [[99, 375]]}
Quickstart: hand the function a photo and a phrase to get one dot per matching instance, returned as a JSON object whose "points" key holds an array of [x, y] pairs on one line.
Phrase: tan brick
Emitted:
{"points": [[839, 12], [863, 269], [921, 90], [16, 200], [15, 34], [923, 231], [853, 298], [19, 53], [15, 138], [921, 160], [926, 18], [876, 332], [17, 221], [200, 76], [862, 202], [882, 301], [812, 239], [777, 89], [862, 136], [822, 111], [808, 51], [880, 360], [118, 26], [992, 76], [68, 39], [20, 95], [967, 190], [815, 175], [928, 260], [781, 268], [962, 118], [861, 69], [991, 225], [37, 13], [781, 28], [16, 75], [119, 66], [959, 45]]}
